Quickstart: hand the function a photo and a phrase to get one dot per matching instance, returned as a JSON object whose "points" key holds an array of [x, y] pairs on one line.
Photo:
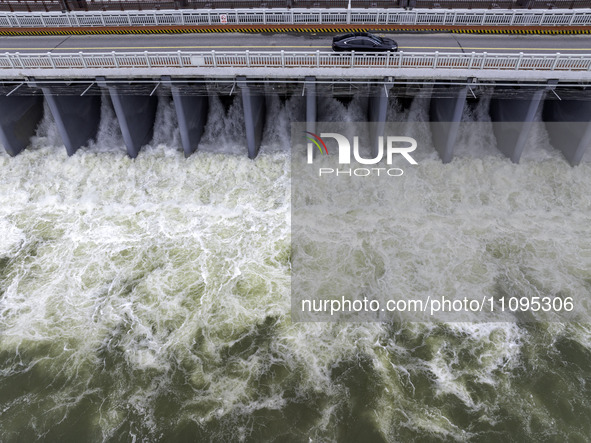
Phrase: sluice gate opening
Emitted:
{"points": [[512, 108]]}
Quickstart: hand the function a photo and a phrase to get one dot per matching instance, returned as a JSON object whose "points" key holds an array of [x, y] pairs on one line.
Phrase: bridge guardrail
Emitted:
{"points": [[146, 5], [297, 59], [475, 18]]}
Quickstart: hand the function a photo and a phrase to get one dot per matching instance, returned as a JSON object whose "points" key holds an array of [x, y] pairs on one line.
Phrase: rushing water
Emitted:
{"points": [[149, 299]]}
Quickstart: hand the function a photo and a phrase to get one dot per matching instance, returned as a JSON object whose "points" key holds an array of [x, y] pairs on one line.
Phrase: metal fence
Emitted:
{"points": [[294, 59], [299, 17], [122, 5]]}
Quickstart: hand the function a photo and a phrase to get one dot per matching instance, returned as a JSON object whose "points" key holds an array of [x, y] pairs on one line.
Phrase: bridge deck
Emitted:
{"points": [[227, 42]]}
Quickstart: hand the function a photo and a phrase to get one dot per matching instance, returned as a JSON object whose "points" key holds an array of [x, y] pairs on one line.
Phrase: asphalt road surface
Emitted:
{"points": [[567, 44]]}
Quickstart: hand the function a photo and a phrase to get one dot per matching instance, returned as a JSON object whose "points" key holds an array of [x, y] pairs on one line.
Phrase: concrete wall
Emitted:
{"points": [[568, 125], [135, 113], [311, 104], [77, 117], [254, 105], [191, 111], [445, 114], [19, 117], [377, 109], [512, 120]]}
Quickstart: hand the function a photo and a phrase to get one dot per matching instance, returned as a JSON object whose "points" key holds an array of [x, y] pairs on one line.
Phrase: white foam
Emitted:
{"points": [[164, 267]]}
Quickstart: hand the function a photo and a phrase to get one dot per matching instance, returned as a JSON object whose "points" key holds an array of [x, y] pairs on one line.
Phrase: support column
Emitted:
{"points": [[135, 113], [311, 104], [254, 116], [77, 117], [191, 112], [19, 117], [445, 114], [377, 110], [512, 120], [569, 125]]}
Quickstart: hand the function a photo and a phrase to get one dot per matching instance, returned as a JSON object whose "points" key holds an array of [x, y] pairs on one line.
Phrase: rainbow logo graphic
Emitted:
{"points": [[315, 140]]}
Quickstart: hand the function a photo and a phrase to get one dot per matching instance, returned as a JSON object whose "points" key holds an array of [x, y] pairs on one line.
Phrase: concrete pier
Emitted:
{"points": [[135, 113], [445, 114], [569, 125], [565, 109], [377, 109], [77, 117], [191, 111], [311, 104], [19, 117], [254, 105], [512, 120]]}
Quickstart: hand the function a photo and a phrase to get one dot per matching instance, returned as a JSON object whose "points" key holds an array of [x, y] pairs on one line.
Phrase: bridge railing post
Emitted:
{"points": [[519, 61], [82, 59], [555, 61]]}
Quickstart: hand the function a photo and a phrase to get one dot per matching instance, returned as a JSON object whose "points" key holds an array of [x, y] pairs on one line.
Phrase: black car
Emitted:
{"points": [[363, 42]]}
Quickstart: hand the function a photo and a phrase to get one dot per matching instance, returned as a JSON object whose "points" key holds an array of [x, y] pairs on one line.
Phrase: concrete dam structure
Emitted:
{"points": [[75, 107]]}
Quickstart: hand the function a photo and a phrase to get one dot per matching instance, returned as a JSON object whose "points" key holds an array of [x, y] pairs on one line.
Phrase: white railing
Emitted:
{"points": [[459, 17], [296, 59]]}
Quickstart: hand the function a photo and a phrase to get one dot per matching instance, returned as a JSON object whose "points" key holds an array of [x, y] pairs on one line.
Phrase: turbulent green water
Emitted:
{"points": [[149, 300]]}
